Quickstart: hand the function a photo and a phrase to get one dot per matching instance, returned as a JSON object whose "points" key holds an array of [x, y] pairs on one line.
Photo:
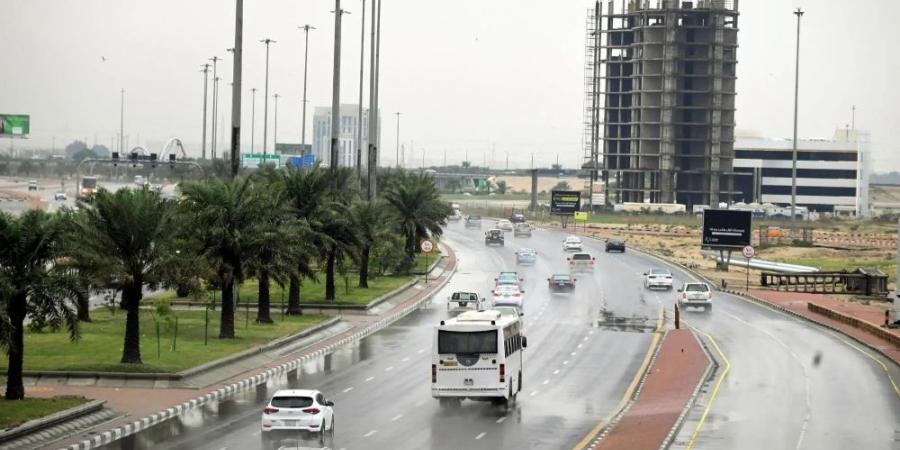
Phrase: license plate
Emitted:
{"points": [[290, 423], [450, 363]]}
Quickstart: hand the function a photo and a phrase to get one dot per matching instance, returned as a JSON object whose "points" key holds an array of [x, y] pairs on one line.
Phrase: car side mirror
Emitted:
{"points": [[329, 403], [548, 279], [644, 274], [593, 258], [574, 279], [681, 290], [568, 259], [495, 279], [522, 291], [524, 342], [521, 314]]}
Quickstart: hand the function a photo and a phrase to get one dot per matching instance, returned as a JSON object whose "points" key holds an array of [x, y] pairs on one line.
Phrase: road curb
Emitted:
{"points": [[36, 425], [711, 368], [134, 427]]}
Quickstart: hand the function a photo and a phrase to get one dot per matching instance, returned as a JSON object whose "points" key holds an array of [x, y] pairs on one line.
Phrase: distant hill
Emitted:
{"points": [[885, 178]]}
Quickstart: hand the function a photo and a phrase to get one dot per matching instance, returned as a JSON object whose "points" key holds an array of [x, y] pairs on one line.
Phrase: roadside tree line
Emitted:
{"points": [[284, 226]]}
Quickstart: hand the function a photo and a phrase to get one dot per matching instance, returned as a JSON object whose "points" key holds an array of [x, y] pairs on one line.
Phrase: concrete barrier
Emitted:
{"points": [[855, 322]]}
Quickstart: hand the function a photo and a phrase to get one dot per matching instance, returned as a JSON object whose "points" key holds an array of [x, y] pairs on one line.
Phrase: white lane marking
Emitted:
{"points": [[545, 381], [586, 338], [370, 379], [398, 416], [405, 359], [572, 354], [565, 362], [348, 389], [578, 346], [500, 420], [255, 433], [224, 448], [370, 433], [420, 403], [533, 393], [590, 332], [480, 435], [389, 368], [420, 351], [555, 371]]}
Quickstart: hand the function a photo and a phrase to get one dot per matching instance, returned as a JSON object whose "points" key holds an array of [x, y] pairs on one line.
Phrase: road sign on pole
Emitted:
{"points": [[748, 251], [427, 246]]}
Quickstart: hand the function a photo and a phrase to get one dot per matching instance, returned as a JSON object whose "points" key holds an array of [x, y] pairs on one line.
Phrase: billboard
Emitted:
{"points": [[565, 202], [301, 162], [726, 228], [285, 148], [253, 160], [15, 125]]}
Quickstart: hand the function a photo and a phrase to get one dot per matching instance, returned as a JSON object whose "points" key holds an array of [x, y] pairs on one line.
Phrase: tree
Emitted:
{"points": [[335, 223], [30, 283], [26, 167], [370, 222], [561, 186], [227, 217], [501, 187], [83, 154], [127, 236], [418, 209]]}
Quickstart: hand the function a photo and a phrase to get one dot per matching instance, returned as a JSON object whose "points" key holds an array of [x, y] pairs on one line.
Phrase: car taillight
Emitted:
{"points": [[502, 373], [517, 294], [270, 410], [311, 411], [684, 296], [434, 373]]}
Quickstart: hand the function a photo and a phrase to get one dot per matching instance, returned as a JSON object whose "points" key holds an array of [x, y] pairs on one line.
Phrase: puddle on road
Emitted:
{"points": [[636, 323]]}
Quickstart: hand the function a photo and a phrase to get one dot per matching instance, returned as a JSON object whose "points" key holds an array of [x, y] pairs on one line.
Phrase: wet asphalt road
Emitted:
{"points": [[777, 395]]}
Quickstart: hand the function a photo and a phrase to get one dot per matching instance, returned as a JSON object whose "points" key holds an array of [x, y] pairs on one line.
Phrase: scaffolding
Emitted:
{"points": [[659, 99]]}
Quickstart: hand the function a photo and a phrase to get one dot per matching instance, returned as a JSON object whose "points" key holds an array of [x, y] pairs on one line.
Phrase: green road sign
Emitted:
{"points": [[15, 125], [253, 160]]}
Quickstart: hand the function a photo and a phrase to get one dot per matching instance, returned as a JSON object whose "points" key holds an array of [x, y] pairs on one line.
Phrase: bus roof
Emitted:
{"points": [[481, 318]]}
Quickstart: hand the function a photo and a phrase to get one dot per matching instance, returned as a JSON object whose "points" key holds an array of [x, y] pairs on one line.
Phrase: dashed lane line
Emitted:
{"points": [[389, 368], [405, 359], [555, 372], [370, 433], [396, 418], [348, 389], [500, 420], [480, 435], [545, 381], [370, 379], [533, 393]]}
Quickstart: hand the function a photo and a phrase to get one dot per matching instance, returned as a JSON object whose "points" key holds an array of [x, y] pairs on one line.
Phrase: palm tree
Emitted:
{"points": [[336, 223], [30, 283], [227, 215], [418, 208], [371, 223], [124, 239]]}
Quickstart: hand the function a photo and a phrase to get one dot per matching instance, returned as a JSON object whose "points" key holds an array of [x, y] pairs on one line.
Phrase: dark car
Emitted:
{"points": [[517, 218], [561, 282], [493, 237], [615, 244]]}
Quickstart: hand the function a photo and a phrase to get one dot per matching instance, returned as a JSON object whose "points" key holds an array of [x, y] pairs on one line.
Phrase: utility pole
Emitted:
{"points": [[507, 160], [266, 41], [275, 134], [215, 60], [252, 117], [236, 88], [445, 158], [359, 117], [205, 89], [305, 29], [799, 14], [398, 139], [122, 124], [375, 38], [336, 88]]}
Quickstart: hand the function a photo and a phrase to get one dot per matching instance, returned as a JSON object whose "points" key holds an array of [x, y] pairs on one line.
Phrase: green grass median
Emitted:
{"points": [[100, 347], [17, 412]]}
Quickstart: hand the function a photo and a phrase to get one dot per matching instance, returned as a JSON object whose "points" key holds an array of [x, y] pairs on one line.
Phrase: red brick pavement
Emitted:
{"points": [[797, 302], [673, 379]]}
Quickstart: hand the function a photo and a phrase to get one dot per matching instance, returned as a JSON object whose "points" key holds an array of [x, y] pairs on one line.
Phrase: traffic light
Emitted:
{"points": [[115, 158]]}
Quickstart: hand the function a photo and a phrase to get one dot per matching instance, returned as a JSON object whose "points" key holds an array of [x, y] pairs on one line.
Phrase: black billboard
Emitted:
{"points": [[565, 202], [726, 228]]}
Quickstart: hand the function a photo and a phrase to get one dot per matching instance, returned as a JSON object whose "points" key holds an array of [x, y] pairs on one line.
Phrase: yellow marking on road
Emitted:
{"points": [[715, 391], [872, 357], [654, 342]]}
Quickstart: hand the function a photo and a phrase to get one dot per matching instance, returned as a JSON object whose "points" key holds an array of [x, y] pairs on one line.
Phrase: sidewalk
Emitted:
{"points": [[870, 316], [671, 384], [144, 407]]}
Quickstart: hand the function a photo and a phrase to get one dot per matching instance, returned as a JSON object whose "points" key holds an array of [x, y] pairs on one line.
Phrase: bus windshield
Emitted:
{"points": [[467, 342]]}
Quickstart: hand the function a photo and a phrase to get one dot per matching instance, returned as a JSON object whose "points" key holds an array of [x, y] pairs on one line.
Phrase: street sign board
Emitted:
{"points": [[285, 148], [15, 125], [427, 246], [581, 216], [726, 228], [748, 251], [254, 160], [301, 161], [565, 202]]}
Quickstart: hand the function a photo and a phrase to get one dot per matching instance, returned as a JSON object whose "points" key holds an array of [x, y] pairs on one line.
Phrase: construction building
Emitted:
{"points": [[659, 104]]}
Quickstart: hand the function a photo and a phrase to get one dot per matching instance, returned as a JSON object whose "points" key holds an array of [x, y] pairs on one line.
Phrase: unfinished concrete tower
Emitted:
{"points": [[667, 90]]}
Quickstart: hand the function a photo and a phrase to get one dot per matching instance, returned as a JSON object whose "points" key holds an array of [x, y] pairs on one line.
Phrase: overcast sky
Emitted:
{"points": [[471, 75]]}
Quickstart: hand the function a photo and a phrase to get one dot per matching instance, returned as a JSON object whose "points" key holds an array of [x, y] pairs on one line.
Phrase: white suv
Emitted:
{"points": [[296, 412], [572, 243], [695, 294]]}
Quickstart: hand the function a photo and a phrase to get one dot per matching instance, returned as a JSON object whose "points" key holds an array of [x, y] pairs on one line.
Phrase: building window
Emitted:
{"points": [[811, 190]]}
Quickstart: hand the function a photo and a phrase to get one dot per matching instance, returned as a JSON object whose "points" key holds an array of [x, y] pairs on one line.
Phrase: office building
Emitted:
{"points": [[347, 145], [832, 175]]}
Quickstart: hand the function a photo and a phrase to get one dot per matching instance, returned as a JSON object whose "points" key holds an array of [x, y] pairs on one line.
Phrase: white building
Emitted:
{"points": [[347, 145], [832, 175]]}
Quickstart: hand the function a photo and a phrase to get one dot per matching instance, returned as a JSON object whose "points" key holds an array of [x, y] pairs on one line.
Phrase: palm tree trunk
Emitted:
{"points": [[364, 267], [294, 308], [411, 245], [226, 324], [329, 277], [15, 389], [263, 312], [131, 298], [83, 307]]}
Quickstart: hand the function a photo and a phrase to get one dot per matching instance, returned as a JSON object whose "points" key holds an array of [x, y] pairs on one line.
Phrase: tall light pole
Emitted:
{"points": [[205, 89], [336, 87], [275, 134], [799, 14], [305, 29], [236, 88], [373, 102], [252, 117], [398, 139], [215, 60], [359, 115], [266, 41], [121, 124]]}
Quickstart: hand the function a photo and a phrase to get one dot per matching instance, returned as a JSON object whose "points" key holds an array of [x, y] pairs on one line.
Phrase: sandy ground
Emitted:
{"points": [[523, 183]]}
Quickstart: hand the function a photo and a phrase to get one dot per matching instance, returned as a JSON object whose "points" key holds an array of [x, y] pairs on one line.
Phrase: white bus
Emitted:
{"points": [[478, 356]]}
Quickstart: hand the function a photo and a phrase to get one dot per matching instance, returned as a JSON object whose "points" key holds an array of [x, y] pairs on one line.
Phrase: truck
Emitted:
{"points": [[88, 187]]}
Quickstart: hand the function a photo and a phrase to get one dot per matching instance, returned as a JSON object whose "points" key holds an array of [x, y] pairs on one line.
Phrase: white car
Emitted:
{"points": [[581, 262], [294, 412], [695, 294], [658, 279], [504, 225], [508, 295], [59, 196], [572, 244]]}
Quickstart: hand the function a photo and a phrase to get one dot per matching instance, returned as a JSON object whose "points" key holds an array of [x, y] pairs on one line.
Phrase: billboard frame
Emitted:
{"points": [[23, 119], [567, 210], [730, 225]]}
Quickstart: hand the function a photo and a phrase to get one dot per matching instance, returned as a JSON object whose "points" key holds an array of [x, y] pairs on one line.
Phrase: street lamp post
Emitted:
{"points": [[359, 116], [305, 29], [215, 60], [336, 87], [252, 117], [266, 41], [275, 134], [121, 125], [398, 139], [373, 99], [799, 14], [205, 89]]}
